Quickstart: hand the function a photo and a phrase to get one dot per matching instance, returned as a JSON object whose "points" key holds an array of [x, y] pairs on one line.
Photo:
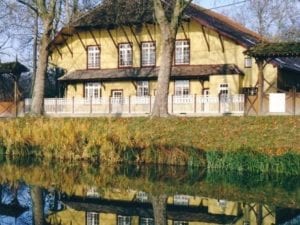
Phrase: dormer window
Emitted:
{"points": [[93, 54], [182, 52], [125, 55]]}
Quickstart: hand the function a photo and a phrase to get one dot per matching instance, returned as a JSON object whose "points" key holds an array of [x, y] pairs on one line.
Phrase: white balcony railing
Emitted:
{"points": [[190, 104]]}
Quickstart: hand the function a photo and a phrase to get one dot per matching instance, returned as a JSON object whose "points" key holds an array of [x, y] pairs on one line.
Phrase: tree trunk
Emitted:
{"points": [[37, 205], [34, 50], [159, 204], [160, 108], [260, 90], [39, 83]]}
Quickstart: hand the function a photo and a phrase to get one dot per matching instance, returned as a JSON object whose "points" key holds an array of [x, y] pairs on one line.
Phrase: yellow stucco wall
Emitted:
{"points": [[76, 57]]}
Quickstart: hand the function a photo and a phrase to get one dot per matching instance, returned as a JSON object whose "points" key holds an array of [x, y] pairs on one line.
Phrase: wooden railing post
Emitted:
{"points": [[129, 104], [73, 105], [56, 105], [91, 105], [195, 103], [294, 100], [150, 101]]}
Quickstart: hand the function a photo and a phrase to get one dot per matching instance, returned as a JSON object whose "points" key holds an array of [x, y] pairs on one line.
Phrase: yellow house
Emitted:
{"points": [[180, 210], [103, 59]]}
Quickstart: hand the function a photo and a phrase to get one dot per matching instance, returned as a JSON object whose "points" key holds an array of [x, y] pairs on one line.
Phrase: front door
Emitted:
{"points": [[206, 100], [117, 101]]}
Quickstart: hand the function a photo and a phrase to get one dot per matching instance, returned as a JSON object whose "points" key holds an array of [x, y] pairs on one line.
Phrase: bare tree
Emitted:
{"points": [[275, 19], [49, 13], [168, 15]]}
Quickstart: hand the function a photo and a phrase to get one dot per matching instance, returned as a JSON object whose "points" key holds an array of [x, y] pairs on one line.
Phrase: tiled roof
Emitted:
{"points": [[178, 72], [103, 17]]}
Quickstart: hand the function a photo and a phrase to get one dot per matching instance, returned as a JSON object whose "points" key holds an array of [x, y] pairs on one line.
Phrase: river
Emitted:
{"points": [[36, 192]]}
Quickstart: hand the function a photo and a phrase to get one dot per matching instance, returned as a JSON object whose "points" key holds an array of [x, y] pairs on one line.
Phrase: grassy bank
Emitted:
{"points": [[259, 144]]}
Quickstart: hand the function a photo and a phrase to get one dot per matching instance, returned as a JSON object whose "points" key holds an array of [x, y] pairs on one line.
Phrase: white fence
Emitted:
{"points": [[133, 105]]}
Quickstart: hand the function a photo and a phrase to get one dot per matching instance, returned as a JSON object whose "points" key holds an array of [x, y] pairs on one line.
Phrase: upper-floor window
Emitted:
{"points": [[182, 87], [148, 54], [125, 55], [92, 218], [124, 220], [92, 90], [142, 88], [93, 53], [224, 89], [248, 62], [182, 52]]}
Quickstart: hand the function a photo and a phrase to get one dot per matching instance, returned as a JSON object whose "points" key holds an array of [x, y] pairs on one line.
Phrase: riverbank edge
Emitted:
{"points": [[138, 141]]}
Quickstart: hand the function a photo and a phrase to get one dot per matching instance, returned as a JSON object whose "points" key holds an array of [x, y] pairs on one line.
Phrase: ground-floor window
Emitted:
{"points": [[92, 218], [124, 220], [146, 221], [182, 87], [92, 90], [142, 88], [180, 223], [181, 200]]}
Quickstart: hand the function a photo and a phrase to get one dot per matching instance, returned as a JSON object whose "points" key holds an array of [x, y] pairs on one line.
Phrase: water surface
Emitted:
{"points": [[65, 193]]}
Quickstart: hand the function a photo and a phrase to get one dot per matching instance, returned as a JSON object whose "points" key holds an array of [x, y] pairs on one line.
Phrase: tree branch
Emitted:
{"points": [[29, 6]]}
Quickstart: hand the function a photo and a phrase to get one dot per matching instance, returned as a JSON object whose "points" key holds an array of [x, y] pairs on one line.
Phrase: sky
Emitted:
{"points": [[215, 3]]}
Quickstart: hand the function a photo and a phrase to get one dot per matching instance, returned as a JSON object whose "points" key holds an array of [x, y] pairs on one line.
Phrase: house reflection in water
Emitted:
{"points": [[135, 208]]}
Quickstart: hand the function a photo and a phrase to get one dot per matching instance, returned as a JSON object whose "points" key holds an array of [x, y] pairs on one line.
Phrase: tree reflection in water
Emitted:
{"points": [[135, 194]]}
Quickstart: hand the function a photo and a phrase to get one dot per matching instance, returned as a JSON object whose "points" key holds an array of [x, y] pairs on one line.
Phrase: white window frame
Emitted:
{"points": [[142, 196], [93, 57], [224, 89], [148, 57], [92, 90], [92, 218], [142, 88], [124, 220], [146, 221], [125, 55], [248, 62], [182, 52], [181, 199], [182, 88], [180, 222]]}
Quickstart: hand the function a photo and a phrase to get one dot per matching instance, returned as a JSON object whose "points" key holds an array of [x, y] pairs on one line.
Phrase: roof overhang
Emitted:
{"points": [[151, 73]]}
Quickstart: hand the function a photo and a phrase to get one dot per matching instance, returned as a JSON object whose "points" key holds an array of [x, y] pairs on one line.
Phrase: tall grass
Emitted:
{"points": [[251, 161], [241, 143]]}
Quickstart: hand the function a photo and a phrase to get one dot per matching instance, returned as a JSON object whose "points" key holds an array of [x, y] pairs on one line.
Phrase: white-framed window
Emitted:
{"points": [[180, 223], [117, 93], [92, 218], [93, 53], [125, 55], [148, 54], [146, 221], [182, 52], [142, 196], [248, 62], [142, 88], [181, 199], [124, 220], [182, 87], [224, 89], [92, 90]]}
